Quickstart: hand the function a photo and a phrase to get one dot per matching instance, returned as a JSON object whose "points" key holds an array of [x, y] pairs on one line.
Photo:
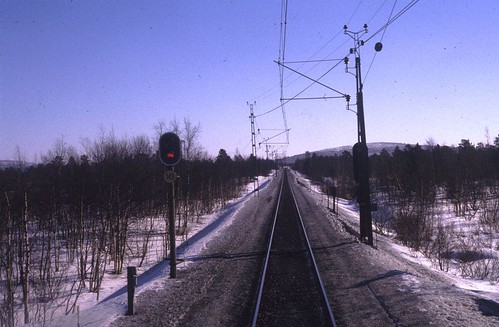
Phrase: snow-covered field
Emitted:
{"points": [[113, 296], [349, 214], [113, 299]]}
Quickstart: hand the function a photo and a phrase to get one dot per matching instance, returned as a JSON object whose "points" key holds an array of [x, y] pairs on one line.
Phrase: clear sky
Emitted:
{"points": [[70, 68]]}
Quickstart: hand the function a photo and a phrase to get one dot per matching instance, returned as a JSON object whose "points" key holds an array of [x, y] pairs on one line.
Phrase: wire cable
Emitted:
{"points": [[283, 41], [317, 80], [382, 36], [281, 69], [377, 11], [301, 92], [282, 45], [397, 16]]}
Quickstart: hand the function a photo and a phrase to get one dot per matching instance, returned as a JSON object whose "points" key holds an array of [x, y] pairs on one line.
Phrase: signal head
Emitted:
{"points": [[169, 149]]}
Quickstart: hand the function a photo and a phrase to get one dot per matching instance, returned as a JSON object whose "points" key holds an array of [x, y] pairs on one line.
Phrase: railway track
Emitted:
{"points": [[290, 291]]}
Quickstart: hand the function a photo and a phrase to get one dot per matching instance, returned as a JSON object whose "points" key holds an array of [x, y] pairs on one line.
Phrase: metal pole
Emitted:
{"points": [[366, 232], [253, 148], [171, 214]]}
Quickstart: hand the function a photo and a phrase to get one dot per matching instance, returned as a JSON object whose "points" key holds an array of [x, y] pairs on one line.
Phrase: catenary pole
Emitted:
{"points": [[364, 193]]}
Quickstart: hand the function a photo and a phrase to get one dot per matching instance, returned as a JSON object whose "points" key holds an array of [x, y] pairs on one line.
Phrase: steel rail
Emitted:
{"points": [[267, 256], [314, 262], [309, 249]]}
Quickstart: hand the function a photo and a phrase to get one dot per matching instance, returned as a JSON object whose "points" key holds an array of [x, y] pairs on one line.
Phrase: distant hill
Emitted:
{"points": [[374, 148]]}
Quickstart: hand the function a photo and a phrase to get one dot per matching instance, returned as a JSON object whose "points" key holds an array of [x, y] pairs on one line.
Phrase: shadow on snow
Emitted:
{"points": [[163, 266]]}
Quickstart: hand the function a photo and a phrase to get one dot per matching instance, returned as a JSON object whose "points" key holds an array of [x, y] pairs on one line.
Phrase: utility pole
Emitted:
{"points": [[360, 151], [253, 144]]}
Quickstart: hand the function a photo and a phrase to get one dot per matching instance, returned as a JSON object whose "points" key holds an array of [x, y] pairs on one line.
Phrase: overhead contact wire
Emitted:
{"points": [[284, 10], [381, 40]]}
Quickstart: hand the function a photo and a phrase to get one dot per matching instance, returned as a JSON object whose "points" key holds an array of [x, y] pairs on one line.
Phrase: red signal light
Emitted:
{"points": [[169, 149]]}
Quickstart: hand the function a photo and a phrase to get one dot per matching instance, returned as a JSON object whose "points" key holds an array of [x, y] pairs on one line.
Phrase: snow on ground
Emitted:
{"points": [[113, 295], [481, 287], [349, 214]]}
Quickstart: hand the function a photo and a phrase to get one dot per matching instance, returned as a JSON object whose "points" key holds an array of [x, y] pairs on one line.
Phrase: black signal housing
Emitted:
{"points": [[170, 151]]}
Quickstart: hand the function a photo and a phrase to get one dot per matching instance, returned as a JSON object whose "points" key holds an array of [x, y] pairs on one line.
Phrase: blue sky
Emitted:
{"points": [[70, 68]]}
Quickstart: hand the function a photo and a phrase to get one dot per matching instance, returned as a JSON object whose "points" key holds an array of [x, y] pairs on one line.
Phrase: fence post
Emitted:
{"points": [[131, 284]]}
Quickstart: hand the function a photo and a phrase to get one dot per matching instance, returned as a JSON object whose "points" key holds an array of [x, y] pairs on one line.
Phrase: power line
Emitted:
{"points": [[354, 12], [400, 13], [377, 11], [381, 40], [286, 101], [282, 45], [281, 58], [316, 81]]}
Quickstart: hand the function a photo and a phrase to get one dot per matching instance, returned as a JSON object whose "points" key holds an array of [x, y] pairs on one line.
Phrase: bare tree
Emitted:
{"points": [[441, 246], [24, 258], [160, 128], [20, 158], [61, 151], [175, 127], [191, 133], [140, 145], [7, 250]]}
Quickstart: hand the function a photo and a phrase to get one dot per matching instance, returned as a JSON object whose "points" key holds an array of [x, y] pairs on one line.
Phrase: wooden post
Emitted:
{"points": [[131, 284]]}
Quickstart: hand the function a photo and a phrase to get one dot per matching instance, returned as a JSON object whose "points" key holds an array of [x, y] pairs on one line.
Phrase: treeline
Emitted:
{"points": [[78, 211], [413, 184], [463, 173]]}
